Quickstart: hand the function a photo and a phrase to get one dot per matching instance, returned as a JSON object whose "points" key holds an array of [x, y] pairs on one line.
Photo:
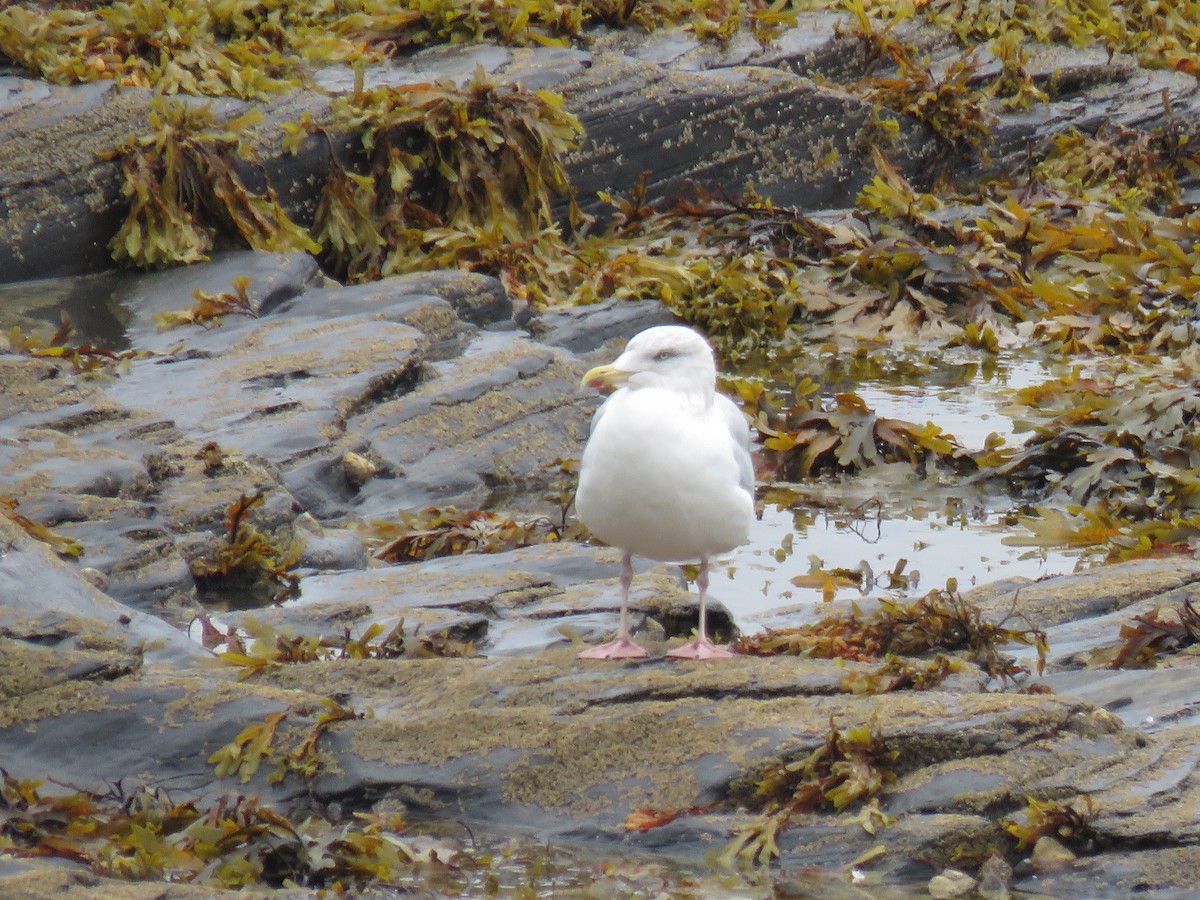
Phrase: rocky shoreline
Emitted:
{"points": [[347, 405], [105, 684]]}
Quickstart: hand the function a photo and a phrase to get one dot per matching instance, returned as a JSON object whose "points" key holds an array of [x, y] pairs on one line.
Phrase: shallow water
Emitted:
{"points": [[933, 529], [93, 303]]}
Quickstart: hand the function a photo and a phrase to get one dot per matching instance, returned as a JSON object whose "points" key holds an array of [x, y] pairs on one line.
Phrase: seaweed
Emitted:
{"points": [[1163, 36], [1014, 85], [1149, 636], [848, 767], [647, 819], [257, 647], [804, 435], [1067, 823], [255, 48], [173, 47], [732, 278], [213, 458], [751, 273], [86, 357], [879, 43], [847, 436], [1117, 163], [346, 225], [64, 546], [454, 177], [941, 620], [185, 191], [255, 744], [900, 674], [467, 177], [948, 103], [247, 554], [1117, 456], [448, 531], [232, 841], [209, 308]]}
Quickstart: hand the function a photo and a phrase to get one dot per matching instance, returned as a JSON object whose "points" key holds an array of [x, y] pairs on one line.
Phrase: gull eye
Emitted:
{"points": [[663, 355]]}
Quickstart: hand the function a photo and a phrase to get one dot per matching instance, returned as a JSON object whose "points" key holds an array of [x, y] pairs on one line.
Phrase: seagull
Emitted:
{"points": [[666, 472]]}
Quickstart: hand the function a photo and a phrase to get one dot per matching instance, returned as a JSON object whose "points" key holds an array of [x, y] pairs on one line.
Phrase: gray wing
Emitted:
{"points": [[739, 431]]}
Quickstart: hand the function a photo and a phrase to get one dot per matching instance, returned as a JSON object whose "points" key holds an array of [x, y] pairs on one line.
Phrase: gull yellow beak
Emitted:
{"points": [[604, 377]]}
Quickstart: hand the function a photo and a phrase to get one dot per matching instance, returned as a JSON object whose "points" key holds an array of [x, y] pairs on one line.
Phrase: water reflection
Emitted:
{"points": [[889, 519], [95, 305]]}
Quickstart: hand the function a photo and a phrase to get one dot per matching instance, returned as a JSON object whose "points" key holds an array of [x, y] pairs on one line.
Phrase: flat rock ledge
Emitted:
{"points": [[428, 378]]}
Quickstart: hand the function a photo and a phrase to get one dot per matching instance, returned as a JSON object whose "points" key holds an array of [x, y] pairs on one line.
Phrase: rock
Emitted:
{"points": [[1050, 856], [571, 749], [507, 705], [950, 883], [273, 279], [585, 329], [358, 469], [1157, 872], [48, 602], [144, 469], [327, 548], [527, 733], [488, 737], [475, 299], [94, 577], [1084, 614], [995, 879], [57, 222], [482, 425], [1073, 597], [276, 387], [642, 116], [506, 604]]}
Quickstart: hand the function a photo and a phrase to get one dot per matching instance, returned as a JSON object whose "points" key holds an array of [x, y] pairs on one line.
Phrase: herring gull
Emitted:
{"points": [[666, 472]]}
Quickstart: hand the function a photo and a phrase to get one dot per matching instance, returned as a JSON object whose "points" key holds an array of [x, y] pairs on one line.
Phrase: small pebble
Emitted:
{"points": [[357, 468], [995, 877], [951, 883], [94, 577], [1050, 855]]}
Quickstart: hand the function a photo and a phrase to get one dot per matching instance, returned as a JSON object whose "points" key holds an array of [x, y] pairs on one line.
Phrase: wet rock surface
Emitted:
{"points": [[345, 405], [101, 684]]}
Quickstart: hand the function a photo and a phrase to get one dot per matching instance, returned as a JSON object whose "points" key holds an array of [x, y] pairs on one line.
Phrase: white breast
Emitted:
{"points": [[667, 477]]}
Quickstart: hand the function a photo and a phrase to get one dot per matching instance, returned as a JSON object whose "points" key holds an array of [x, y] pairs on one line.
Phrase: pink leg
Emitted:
{"points": [[623, 647], [701, 647]]}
